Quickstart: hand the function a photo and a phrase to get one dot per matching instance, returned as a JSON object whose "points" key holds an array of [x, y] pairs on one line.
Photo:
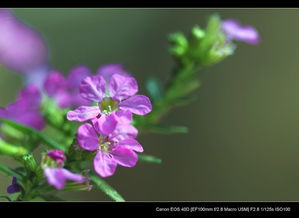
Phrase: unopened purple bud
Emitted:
{"points": [[14, 187], [57, 155]]}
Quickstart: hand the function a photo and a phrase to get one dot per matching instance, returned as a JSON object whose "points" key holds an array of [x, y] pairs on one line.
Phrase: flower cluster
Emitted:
{"points": [[110, 131], [104, 103]]}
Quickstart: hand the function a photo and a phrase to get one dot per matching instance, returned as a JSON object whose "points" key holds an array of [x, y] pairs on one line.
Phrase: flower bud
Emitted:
{"points": [[198, 33], [180, 44], [211, 45], [29, 162]]}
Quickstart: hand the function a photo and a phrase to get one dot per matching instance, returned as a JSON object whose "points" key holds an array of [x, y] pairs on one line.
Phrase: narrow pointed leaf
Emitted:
{"points": [[33, 134], [6, 197], [11, 150], [106, 188], [149, 159], [9, 172], [51, 198]]}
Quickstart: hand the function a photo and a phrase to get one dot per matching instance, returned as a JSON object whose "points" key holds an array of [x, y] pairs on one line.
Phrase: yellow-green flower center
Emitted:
{"points": [[104, 145], [108, 105]]}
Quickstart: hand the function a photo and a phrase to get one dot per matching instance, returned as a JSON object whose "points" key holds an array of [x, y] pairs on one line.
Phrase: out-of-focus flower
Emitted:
{"points": [[117, 93], [108, 70], [22, 48], [14, 187], [114, 147], [55, 173], [25, 109], [235, 31], [65, 91]]}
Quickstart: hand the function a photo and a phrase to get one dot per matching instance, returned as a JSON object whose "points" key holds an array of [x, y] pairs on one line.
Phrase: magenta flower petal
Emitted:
{"points": [[108, 70], [104, 164], [124, 131], [93, 88], [21, 47], [138, 104], [131, 144], [73, 176], [64, 99], [87, 137], [105, 124], [83, 113], [32, 119], [122, 87], [124, 116], [2, 112], [235, 31], [57, 177], [25, 109], [66, 91], [57, 155], [54, 83], [31, 95], [26, 117], [124, 157], [76, 75]]}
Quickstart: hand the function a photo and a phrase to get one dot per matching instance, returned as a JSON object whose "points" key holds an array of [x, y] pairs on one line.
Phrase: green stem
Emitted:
{"points": [[181, 83]]}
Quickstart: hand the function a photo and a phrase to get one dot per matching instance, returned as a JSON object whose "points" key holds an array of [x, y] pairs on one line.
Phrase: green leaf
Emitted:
{"points": [[51, 198], [6, 197], [33, 134], [9, 172], [106, 188], [11, 150], [12, 132], [149, 158], [164, 129]]}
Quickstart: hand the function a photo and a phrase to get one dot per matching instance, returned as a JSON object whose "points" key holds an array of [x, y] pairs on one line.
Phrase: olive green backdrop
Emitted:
{"points": [[243, 142]]}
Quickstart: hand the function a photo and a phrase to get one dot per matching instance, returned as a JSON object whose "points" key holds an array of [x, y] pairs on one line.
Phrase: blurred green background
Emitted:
{"points": [[243, 142]]}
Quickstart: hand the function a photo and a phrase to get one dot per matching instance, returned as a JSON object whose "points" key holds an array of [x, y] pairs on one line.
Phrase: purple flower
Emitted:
{"points": [[22, 48], [114, 147], [66, 90], [25, 109], [235, 31], [14, 187], [112, 92], [57, 177], [55, 173]]}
